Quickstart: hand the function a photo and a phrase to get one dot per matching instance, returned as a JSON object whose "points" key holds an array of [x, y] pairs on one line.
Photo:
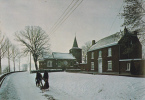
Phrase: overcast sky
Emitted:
{"points": [[91, 20]]}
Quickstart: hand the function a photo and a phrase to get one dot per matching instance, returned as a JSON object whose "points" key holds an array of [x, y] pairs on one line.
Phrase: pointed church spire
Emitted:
{"points": [[125, 30], [75, 44]]}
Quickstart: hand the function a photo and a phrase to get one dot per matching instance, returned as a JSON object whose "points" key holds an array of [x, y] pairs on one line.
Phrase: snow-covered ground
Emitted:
{"points": [[73, 86]]}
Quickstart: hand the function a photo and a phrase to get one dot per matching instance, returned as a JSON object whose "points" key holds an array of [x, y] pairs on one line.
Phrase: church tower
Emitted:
{"points": [[76, 51]]}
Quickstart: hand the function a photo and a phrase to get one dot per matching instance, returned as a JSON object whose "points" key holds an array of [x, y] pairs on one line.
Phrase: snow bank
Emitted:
{"points": [[20, 86], [73, 86], [96, 87]]}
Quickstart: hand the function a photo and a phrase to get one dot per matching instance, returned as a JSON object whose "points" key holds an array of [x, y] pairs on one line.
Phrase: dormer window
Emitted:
{"points": [[109, 52], [92, 55], [100, 53]]}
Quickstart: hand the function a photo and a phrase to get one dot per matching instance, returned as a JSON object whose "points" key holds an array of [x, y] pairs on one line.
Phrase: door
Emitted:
{"points": [[100, 65]]}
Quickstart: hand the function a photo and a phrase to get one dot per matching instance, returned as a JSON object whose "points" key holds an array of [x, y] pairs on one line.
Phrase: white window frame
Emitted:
{"points": [[128, 67], [110, 65], [49, 63], [92, 65], [100, 53], [109, 52], [92, 55]]}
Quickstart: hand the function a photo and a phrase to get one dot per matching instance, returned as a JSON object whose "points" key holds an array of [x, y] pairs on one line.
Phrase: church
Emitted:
{"points": [[63, 61]]}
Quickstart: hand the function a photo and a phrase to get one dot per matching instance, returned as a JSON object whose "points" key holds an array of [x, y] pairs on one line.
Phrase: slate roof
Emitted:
{"points": [[106, 42], [75, 44], [57, 55]]}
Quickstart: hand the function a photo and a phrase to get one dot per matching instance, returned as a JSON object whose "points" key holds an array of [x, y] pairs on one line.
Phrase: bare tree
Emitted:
{"points": [[133, 15], [15, 53], [8, 53], [2, 49], [20, 55], [85, 49], [35, 41], [25, 67], [6, 70]]}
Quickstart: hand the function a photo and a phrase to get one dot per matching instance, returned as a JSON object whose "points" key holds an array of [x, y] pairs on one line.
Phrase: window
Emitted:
{"points": [[109, 65], [92, 65], [59, 64], [100, 53], [109, 52], [92, 55], [49, 64], [131, 42], [71, 64], [128, 67]]}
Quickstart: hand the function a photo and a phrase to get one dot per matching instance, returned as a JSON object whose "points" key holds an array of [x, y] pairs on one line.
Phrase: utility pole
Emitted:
{"points": [[19, 63], [30, 62]]}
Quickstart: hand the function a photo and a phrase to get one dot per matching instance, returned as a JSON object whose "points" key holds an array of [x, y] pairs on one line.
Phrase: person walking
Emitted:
{"points": [[38, 79], [46, 80]]}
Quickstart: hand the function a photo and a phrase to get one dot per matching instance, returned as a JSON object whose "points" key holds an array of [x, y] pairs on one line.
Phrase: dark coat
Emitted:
{"points": [[38, 76], [45, 76]]}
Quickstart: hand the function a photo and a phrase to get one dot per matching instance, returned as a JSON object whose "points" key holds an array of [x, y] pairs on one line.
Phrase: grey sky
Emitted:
{"points": [[91, 20]]}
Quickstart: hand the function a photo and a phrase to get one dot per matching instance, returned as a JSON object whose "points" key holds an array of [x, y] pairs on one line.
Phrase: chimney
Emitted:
{"points": [[93, 42]]}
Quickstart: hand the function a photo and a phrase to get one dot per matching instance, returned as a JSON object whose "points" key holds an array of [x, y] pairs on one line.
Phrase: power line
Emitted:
{"points": [[61, 15], [58, 25], [62, 20], [115, 18]]}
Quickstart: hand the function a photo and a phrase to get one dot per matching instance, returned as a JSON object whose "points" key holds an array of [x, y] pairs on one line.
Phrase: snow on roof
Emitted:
{"points": [[58, 55], [106, 42], [45, 57]]}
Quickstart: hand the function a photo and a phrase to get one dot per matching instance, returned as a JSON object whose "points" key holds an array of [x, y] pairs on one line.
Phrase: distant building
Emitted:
{"points": [[58, 61], [116, 55], [76, 51], [63, 60]]}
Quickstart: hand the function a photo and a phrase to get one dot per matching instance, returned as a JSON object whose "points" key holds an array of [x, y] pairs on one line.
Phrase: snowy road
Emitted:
{"points": [[20, 86], [73, 86]]}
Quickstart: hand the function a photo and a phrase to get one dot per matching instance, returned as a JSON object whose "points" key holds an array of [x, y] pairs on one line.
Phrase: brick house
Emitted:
{"points": [[116, 54]]}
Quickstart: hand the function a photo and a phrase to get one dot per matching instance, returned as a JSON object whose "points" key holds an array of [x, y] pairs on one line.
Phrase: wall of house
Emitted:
{"points": [[136, 67], [58, 64], [105, 58], [130, 47]]}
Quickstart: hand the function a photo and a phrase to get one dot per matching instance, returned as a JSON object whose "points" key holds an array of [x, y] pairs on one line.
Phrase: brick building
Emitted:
{"points": [[116, 54]]}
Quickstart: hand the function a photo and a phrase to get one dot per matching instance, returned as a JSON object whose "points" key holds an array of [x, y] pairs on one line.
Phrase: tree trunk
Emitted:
{"points": [[9, 60], [35, 61], [14, 64], [36, 65], [30, 61], [19, 63], [9, 64]]}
